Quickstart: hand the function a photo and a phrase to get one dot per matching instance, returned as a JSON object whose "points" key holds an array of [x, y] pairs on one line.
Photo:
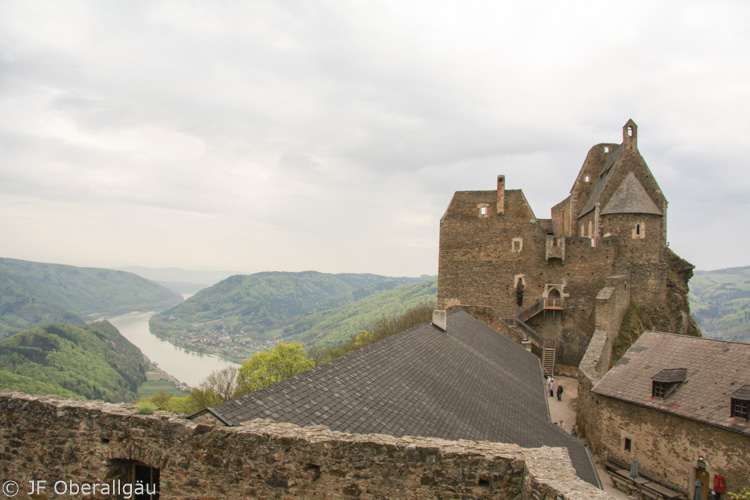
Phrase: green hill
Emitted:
{"points": [[94, 362], [34, 294], [720, 303], [334, 326], [312, 307]]}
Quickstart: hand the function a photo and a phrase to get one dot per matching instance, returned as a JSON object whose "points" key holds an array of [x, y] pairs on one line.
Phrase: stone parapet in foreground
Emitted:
{"points": [[50, 439]]}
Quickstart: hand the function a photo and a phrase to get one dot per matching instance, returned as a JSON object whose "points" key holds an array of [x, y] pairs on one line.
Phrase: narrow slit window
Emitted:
{"points": [[639, 231]]}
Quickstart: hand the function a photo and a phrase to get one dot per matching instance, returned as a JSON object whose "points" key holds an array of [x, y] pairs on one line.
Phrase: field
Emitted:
{"points": [[155, 387]]}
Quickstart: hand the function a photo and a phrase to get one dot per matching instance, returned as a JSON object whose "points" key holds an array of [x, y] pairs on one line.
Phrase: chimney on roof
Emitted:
{"points": [[500, 194], [440, 319]]}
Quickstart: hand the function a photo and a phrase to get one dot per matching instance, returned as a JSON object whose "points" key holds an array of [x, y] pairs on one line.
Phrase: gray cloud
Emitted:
{"points": [[331, 136]]}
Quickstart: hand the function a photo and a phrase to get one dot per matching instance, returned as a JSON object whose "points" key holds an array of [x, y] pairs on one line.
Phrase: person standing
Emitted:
{"points": [[559, 392], [551, 385]]}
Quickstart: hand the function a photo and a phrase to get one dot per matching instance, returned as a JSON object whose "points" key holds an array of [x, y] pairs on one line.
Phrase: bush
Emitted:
{"points": [[146, 407]]}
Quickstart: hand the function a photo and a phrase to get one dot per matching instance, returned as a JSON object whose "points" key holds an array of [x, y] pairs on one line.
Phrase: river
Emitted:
{"points": [[188, 367]]}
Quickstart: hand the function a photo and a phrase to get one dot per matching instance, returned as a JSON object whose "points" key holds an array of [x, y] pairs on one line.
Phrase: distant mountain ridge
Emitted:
{"points": [[181, 281], [720, 303], [93, 362], [34, 294], [307, 306]]}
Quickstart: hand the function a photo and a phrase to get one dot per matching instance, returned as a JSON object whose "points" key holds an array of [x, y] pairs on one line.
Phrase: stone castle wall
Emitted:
{"points": [[89, 442], [668, 446], [612, 303], [486, 249]]}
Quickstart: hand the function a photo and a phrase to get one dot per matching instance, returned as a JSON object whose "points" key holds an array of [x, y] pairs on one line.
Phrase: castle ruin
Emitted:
{"points": [[538, 279]]}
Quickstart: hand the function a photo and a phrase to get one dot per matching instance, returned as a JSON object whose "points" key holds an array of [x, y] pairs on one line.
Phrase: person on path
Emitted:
{"points": [[551, 385], [559, 392]]}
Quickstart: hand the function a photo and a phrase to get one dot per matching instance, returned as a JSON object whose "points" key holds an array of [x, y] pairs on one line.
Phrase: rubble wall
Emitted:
{"points": [[76, 442]]}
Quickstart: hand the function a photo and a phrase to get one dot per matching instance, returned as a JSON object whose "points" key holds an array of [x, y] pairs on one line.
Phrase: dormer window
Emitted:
{"points": [[666, 381], [483, 209], [741, 403]]}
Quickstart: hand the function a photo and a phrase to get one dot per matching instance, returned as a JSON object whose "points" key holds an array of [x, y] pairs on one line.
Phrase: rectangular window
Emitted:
{"points": [[659, 389], [517, 244], [740, 409], [628, 444]]}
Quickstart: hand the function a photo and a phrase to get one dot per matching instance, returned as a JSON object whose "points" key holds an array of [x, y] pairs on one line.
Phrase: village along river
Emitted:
{"points": [[188, 367]]}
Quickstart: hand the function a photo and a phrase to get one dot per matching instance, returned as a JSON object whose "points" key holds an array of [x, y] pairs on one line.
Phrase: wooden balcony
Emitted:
{"points": [[557, 304]]}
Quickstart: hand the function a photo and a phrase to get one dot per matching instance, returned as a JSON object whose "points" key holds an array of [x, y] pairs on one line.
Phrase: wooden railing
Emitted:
{"points": [[529, 313], [528, 332], [556, 304]]}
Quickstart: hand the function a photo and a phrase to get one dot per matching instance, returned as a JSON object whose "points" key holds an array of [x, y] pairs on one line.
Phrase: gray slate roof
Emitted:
{"points": [[715, 370], [631, 198], [612, 161], [467, 383]]}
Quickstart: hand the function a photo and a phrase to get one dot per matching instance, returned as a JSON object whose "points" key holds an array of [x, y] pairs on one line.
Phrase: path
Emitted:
{"points": [[562, 410]]}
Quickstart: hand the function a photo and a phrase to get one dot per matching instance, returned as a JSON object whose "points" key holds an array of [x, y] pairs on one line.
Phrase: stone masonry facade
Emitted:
{"points": [[498, 257], [667, 445], [79, 443]]}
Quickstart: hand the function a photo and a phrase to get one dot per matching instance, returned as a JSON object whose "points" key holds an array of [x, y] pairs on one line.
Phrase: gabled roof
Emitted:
{"points": [[468, 382], [714, 370], [464, 203], [612, 161], [631, 198]]}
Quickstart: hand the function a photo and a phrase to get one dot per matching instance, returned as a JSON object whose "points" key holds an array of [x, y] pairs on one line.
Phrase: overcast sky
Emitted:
{"points": [[331, 135]]}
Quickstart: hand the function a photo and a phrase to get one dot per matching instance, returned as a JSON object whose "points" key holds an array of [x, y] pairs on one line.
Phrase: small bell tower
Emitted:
{"points": [[630, 135]]}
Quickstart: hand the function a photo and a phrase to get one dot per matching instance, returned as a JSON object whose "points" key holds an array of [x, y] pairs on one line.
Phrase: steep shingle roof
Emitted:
{"points": [[714, 371], [631, 198], [468, 382], [601, 183]]}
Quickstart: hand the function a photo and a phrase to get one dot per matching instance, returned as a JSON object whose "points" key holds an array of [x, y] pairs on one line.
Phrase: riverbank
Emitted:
{"points": [[235, 347], [187, 368]]}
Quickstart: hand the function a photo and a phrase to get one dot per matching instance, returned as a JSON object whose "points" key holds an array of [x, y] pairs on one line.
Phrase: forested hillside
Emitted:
{"points": [[334, 326], [720, 303], [94, 362], [34, 294], [311, 307]]}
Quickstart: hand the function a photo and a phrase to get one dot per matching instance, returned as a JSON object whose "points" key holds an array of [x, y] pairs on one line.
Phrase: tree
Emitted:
{"points": [[268, 367], [223, 383]]}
